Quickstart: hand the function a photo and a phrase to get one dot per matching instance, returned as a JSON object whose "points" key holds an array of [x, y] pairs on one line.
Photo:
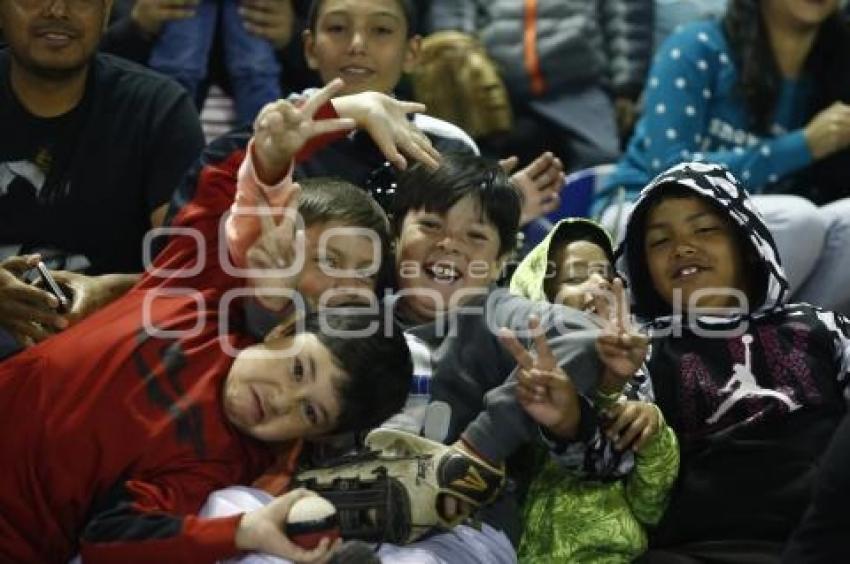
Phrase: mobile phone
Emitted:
{"points": [[51, 286]]}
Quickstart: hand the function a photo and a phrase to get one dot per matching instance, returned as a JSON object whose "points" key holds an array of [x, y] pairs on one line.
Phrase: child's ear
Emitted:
{"points": [[309, 49], [411, 55]]}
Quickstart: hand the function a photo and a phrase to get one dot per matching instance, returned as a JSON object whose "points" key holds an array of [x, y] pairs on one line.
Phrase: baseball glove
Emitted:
{"points": [[391, 492], [458, 82]]}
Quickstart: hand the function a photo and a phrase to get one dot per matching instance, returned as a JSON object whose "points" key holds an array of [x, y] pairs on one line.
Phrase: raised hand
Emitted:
{"points": [[272, 20], [276, 259], [540, 183], [829, 131], [282, 129], [150, 15], [385, 119], [90, 293], [622, 349], [630, 424], [543, 389], [27, 312], [261, 530]]}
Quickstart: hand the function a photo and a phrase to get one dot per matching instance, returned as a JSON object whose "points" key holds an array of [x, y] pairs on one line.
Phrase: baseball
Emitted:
{"points": [[310, 520]]}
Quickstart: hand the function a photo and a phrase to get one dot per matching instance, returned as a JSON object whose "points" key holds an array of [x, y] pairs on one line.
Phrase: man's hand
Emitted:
{"points": [[540, 184], [622, 349], [545, 392], [276, 258], [27, 312], [261, 530], [150, 15], [385, 119], [282, 129], [91, 293], [269, 19], [631, 424]]}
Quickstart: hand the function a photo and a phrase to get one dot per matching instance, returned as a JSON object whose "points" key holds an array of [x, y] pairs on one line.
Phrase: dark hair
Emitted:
{"points": [[566, 234], [648, 302], [760, 78], [407, 7], [378, 365], [460, 175], [332, 199]]}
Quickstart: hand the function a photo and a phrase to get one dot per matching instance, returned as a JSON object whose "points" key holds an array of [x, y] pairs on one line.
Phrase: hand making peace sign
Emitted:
{"points": [[543, 389], [622, 349]]}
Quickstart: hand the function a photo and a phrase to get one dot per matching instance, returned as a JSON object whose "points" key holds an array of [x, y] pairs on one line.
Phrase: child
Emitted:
{"points": [[158, 399], [455, 226], [183, 47], [370, 44], [567, 517], [753, 386]]}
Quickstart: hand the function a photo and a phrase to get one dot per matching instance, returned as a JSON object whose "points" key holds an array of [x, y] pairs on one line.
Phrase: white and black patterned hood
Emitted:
{"points": [[717, 184]]}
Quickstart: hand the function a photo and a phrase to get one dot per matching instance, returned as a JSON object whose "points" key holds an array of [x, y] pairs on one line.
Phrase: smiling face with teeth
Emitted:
{"points": [[689, 246], [443, 260], [364, 42], [52, 39]]}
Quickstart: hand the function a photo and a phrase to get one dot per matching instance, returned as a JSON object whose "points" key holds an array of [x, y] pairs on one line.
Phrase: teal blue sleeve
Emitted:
{"points": [[684, 81]]}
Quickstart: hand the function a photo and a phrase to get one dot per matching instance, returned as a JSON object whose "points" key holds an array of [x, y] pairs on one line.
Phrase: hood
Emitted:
{"points": [[529, 276], [716, 184]]}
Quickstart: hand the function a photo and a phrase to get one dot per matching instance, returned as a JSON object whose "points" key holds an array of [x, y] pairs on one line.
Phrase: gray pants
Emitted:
{"points": [[813, 244]]}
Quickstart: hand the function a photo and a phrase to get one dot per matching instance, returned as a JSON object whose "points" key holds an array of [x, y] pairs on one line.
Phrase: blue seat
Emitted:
{"points": [[580, 189]]}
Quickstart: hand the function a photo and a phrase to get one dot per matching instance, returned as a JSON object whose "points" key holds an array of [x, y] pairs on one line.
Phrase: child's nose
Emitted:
{"points": [[281, 404], [358, 42], [684, 248], [449, 243]]}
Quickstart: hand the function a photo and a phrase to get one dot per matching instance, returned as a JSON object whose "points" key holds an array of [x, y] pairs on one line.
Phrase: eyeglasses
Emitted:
{"points": [[382, 185]]}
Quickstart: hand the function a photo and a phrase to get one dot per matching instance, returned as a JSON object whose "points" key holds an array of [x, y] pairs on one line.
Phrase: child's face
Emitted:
{"points": [[690, 247], [583, 275], [341, 264], [444, 260], [364, 42], [274, 396]]}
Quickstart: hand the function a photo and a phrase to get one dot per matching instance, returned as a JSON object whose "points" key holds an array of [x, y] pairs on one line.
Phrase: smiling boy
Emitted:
{"points": [[371, 44], [752, 385], [117, 429]]}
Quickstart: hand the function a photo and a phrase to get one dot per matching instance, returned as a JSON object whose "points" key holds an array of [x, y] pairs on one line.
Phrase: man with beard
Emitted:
{"points": [[91, 150]]}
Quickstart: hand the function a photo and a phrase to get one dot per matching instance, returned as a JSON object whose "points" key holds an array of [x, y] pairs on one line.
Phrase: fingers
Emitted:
{"points": [[536, 385], [509, 164], [27, 332], [632, 425], [453, 508], [18, 265], [175, 13], [321, 97], [545, 358], [513, 346], [324, 126], [550, 204], [412, 107], [418, 147], [540, 165]]}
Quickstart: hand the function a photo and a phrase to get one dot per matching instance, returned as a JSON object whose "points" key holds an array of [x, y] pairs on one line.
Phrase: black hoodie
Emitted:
{"points": [[753, 398]]}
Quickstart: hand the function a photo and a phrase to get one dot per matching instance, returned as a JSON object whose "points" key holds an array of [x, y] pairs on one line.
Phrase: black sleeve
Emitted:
{"points": [[176, 141]]}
